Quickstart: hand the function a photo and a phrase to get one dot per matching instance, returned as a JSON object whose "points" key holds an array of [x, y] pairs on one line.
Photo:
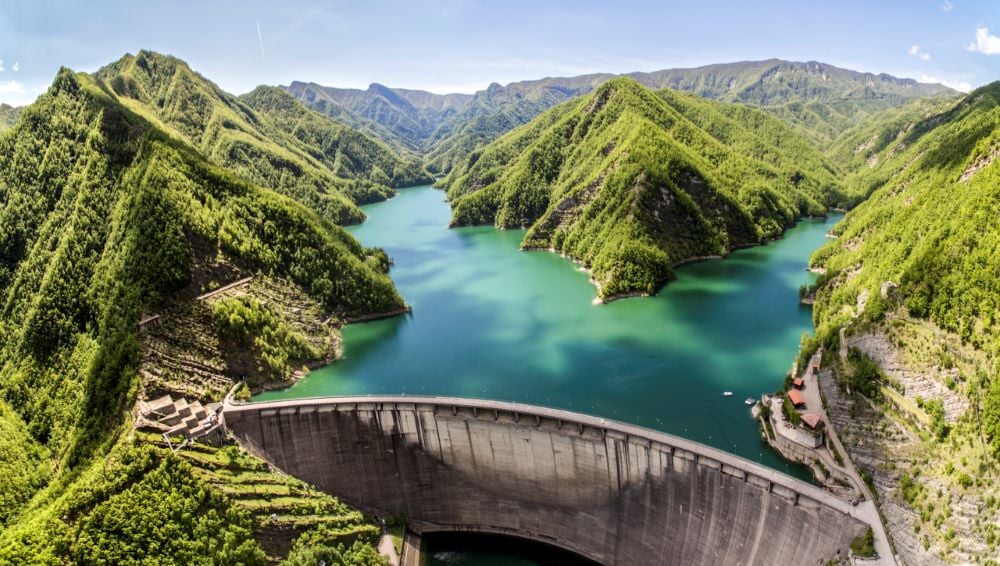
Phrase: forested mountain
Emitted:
{"points": [[497, 110], [775, 82], [346, 152], [911, 280], [632, 182], [8, 115], [930, 225], [233, 135], [821, 99], [107, 212], [401, 117]]}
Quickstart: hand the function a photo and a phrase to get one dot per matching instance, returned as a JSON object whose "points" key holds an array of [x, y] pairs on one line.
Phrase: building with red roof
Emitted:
{"points": [[798, 401], [811, 420]]}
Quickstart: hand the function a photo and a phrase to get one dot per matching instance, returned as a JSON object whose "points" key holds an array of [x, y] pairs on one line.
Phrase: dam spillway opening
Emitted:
{"points": [[467, 548]]}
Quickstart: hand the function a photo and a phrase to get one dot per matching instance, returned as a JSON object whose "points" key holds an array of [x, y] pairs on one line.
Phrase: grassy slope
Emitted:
{"points": [[632, 182], [99, 211]]}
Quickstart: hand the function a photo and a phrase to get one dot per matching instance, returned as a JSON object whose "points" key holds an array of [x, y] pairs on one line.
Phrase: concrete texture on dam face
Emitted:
{"points": [[611, 492]]}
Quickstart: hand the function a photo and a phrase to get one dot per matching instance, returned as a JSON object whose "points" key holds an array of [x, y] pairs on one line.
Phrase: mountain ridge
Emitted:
{"points": [[838, 98], [233, 135]]}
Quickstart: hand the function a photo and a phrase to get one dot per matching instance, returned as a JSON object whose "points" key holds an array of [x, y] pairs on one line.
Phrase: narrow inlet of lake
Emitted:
{"points": [[494, 322]]}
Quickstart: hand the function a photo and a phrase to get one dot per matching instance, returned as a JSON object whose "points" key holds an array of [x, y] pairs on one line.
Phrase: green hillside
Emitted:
{"points": [[822, 100], [232, 135], [864, 150], [104, 217], [632, 182], [930, 225], [403, 118], [497, 110], [911, 280]]}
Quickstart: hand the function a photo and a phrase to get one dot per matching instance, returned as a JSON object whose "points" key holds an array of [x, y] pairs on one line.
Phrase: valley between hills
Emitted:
{"points": [[133, 198]]}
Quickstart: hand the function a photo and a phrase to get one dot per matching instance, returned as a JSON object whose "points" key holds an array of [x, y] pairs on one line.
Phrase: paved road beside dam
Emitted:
{"points": [[611, 492]]}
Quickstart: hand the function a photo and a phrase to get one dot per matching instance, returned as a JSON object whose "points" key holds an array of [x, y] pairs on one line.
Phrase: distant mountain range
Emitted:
{"points": [[822, 99]]}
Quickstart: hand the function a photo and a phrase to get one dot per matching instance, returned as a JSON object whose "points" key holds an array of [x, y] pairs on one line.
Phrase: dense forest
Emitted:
{"points": [[911, 278], [345, 151], [632, 182], [104, 211]]}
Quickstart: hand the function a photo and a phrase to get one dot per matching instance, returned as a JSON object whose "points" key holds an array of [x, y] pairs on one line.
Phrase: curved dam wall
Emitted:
{"points": [[611, 492]]}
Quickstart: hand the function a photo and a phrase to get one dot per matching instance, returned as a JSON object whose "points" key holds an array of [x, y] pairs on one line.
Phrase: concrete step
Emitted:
{"points": [[172, 420], [198, 411], [183, 409]]}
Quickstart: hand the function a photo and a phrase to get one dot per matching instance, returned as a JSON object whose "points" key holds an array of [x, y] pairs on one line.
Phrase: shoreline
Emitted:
{"points": [[661, 284], [378, 316], [299, 375]]}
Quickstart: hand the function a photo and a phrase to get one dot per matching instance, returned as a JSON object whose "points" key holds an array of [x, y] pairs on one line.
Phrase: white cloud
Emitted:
{"points": [[260, 39], [11, 87], [15, 66], [947, 6], [1, 66], [985, 42], [960, 86], [917, 52]]}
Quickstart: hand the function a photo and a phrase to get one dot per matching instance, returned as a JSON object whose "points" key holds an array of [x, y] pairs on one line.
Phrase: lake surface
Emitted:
{"points": [[494, 322]]}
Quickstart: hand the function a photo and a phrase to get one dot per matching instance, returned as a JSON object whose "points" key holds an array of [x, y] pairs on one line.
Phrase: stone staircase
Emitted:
{"points": [[179, 417]]}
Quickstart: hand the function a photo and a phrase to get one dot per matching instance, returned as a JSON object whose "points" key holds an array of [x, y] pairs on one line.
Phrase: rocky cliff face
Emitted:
{"points": [[936, 493]]}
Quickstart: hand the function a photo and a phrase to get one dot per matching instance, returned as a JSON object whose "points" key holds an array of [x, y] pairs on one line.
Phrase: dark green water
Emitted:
{"points": [[491, 321]]}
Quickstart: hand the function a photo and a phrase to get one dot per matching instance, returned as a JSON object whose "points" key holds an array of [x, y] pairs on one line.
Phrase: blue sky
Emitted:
{"points": [[463, 45]]}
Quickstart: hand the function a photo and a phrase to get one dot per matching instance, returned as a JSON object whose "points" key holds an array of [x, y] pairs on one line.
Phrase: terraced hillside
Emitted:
{"points": [[280, 508]]}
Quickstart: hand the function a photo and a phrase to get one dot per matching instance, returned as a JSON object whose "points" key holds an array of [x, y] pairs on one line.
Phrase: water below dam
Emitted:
{"points": [[491, 321]]}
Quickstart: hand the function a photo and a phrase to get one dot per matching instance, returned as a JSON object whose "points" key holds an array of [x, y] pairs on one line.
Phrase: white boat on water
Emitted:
{"points": [[750, 401], [727, 393]]}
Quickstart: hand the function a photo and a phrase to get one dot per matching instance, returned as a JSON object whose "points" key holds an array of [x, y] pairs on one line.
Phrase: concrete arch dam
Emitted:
{"points": [[608, 491]]}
